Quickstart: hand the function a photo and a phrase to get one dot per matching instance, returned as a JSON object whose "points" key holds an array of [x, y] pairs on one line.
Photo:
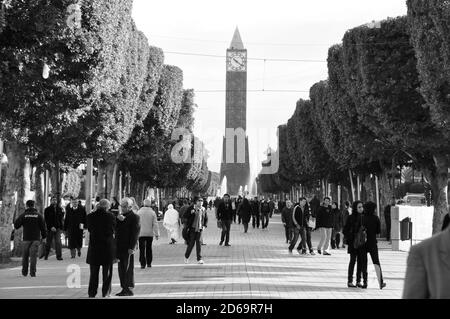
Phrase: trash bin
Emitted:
{"points": [[406, 229]]}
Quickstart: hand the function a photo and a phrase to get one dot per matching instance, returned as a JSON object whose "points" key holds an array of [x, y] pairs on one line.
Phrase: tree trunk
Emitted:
{"points": [[439, 184], [14, 175], [53, 180], [101, 180], [369, 189], [39, 189]]}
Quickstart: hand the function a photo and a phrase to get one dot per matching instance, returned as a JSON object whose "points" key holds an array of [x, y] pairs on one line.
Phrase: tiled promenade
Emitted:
{"points": [[256, 266]]}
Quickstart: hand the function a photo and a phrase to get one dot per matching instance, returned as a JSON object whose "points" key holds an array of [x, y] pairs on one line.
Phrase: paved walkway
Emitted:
{"points": [[256, 266]]}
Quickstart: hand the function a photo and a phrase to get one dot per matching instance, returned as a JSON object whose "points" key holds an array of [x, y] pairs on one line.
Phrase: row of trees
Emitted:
{"points": [[386, 103], [79, 81]]}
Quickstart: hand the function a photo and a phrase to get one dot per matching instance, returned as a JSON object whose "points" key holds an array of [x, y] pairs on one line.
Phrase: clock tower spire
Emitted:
{"points": [[236, 42]]}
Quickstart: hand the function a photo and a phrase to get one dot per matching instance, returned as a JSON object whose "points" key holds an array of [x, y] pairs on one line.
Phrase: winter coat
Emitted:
{"points": [[33, 225], [54, 217], [373, 228], [224, 212], [190, 217], [148, 222], [286, 217], [338, 223], [102, 247], [351, 228], [72, 223], [127, 233], [245, 211], [301, 216], [255, 208], [324, 217], [265, 208]]}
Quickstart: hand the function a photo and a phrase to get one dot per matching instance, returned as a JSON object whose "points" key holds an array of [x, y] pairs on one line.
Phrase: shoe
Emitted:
{"points": [[325, 253], [79, 253], [186, 261], [358, 284], [142, 267], [290, 252], [382, 285], [203, 244], [122, 293], [303, 252], [319, 251], [227, 245], [351, 285], [149, 266], [24, 274], [201, 262], [129, 293], [46, 258], [73, 257], [60, 258], [221, 243], [364, 286], [312, 253], [107, 296]]}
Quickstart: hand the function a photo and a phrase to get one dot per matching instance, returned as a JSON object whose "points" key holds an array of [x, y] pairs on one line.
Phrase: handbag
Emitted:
{"points": [[312, 222], [361, 236]]}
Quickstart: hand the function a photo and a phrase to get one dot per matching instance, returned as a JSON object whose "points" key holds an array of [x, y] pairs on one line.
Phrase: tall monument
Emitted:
{"points": [[235, 157]]}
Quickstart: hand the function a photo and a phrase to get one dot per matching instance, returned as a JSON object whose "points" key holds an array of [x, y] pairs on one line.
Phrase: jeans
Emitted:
{"points": [[289, 232], [58, 247], [126, 271], [29, 256], [360, 257], [302, 233], [376, 260], [245, 227], [265, 220], [388, 229], [325, 237], [194, 239], [226, 225], [308, 239], [335, 239], [255, 221], [145, 251], [107, 271]]}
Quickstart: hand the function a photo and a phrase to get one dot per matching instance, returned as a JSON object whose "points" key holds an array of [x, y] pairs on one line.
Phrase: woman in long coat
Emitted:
{"points": [[245, 212], [172, 223], [357, 255], [372, 225], [74, 225]]}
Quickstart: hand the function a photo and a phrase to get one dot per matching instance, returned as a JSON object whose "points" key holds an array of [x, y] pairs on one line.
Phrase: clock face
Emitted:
{"points": [[237, 61]]}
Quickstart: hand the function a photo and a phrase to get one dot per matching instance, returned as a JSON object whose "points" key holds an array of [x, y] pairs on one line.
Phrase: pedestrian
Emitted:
{"points": [[74, 226], [387, 218], [234, 209], [428, 269], [373, 228], [338, 225], [265, 212], [54, 216], [286, 218], [205, 225], [324, 223], [225, 215], [135, 207], [195, 225], [148, 230], [33, 230], [357, 254], [245, 212], [238, 207], [127, 234], [101, 225], [271, 207], [255, 212], [345, 214], [172, 224], [300, 217]]}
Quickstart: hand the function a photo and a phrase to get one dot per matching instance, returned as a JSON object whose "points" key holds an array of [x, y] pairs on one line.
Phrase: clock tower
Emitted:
{"points": [[235, 157]]}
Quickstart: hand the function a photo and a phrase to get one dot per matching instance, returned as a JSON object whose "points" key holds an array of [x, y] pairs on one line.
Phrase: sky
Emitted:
{"points": [[282, 29]]}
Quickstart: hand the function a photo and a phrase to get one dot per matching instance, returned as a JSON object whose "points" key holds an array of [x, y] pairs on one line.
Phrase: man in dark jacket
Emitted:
{"points": [[54, 220], [271, 207], [33, 229], [74, 225], [196, 221], [324, 223], [225, 216], [387, 218], [127, 234], [265, 212], [101, 251], [286, 218], [255, 212]]}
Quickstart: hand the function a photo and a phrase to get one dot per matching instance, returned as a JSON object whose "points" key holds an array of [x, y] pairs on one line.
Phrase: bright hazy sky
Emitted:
{"points": [[282, 29]]}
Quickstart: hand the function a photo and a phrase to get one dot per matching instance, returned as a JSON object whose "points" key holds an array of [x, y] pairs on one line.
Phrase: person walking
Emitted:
{"points": [[148, 229], [357, 254], [265, 212], [74, 226], [245, 211], [172, 224], [324, 223], [54, 216], [101, 225], [195, 225], [238, 209], [255, 212], [272, 207], [338, 225], [373, 228], [225, 216], [33, 230], [205, 225], [127, 234], [286, 218], [345, 214], [387, 218], [300, 221]]}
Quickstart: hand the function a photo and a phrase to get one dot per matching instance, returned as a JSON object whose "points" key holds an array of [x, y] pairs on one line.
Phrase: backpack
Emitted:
{"points": [[360, 236]]}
